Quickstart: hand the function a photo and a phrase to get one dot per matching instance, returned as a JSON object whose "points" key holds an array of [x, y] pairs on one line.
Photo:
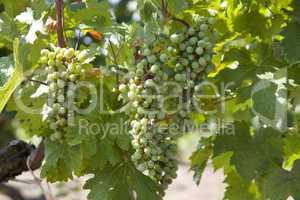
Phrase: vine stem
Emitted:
{"points": [[59, 18], [167, 14]]}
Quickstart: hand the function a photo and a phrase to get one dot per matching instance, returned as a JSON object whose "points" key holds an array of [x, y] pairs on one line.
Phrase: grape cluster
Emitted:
{"points": [[155, 147], [65, 68], [183, 58], [194, 51]]}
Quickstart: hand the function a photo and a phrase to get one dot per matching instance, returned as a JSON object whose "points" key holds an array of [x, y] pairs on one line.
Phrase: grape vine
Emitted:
{"points": [[153, 77]]}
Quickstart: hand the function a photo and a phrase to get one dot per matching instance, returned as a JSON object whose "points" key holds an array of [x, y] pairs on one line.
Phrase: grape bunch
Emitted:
{"points": [[183, 58], [155, 147], [193, 50], [65, 67]]}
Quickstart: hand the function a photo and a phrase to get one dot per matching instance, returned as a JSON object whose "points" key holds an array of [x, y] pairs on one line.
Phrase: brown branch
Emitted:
{"points": [[39, 82], [14, 156], [59, 19]]}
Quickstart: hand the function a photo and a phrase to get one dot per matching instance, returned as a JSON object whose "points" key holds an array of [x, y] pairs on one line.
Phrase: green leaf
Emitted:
{"points": [[291, 149], [146, 9], [61, 160], [251, 155], [94, 13], [15, 80], [291, 42], [238, 188], [121, 182], [273, 182], [265, 101], [177, 6], [200, 158], [251, 22]]}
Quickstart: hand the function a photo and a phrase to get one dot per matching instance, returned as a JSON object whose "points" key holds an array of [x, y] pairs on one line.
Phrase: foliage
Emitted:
{"points": [[254, 134]]}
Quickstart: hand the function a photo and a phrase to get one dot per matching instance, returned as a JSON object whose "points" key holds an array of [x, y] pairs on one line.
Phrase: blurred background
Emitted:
{"points": [[210, 188]]}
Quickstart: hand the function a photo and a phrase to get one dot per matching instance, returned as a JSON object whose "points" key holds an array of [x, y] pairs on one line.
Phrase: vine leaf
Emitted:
{"points": [[121, 182], [273, 182], [200, 158], [238, 188], [61, 161], [15, 80], [251, 154], [291, 42]]}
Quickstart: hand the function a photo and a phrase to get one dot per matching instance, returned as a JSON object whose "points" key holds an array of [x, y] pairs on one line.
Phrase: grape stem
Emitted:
{"points": [[36, 81], [167, 14], [59, 19]]}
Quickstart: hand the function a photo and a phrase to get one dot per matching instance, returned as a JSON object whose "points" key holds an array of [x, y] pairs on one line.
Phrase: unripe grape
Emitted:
{"points": [[195, 65], [45, 52], [122, 87], [154, 68], [44, 60], [199, 50], [190, 49], [131, 95], [178, 77], [182, 46], [201, 35], [202, 61], [51, 63], [53, 87], [193, 40], [163, 58], [203, 27], [149, 83], [51, 56], [72, 77], [184, 62], [191, 31], [61, 98], [191, 57], [152, 59], [61, 83]]}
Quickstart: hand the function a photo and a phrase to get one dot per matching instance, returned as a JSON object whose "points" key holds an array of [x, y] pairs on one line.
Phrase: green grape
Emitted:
{"points": [[51, 63], [190, 49], [44, 60], [193, 40], [69, 53], [204, 27], [182, 46], [152, 59], [183, 57], [45, 52], [63, 75], [163, 58], [154, 68], [191, 31], [147, 52], [202, 61], [195, 65], [51, 56], [199, 51]]}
